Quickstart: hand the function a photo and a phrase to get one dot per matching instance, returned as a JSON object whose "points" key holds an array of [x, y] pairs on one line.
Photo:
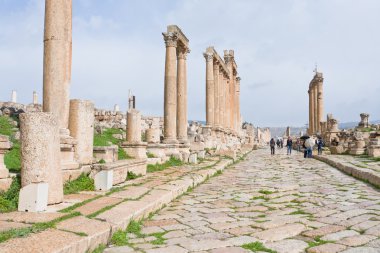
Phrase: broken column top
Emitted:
{"points": [[181, 36], [218, 60]]}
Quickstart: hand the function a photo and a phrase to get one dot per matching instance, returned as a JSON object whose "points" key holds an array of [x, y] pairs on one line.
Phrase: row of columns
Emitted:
{"points": [[316, 103], [175, 93], [222, 91], [14, 97]]}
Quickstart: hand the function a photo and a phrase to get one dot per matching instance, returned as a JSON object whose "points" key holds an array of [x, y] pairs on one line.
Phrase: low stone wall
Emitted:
{"points": [[364, 174], [122, 167]]}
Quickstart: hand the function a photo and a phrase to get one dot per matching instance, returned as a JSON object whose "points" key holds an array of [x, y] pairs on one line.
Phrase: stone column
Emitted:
{"points": [[227, 103], [182, 95], [81, 125], [35, 98], [310, 129], [14, 96], [238, 117], [116, 108], [216, 95], [134, 146], [210, 89], [57, 59], [319, 85], [311, 104], [222, 103], [40, 153], [316, 123], [170, 93]]}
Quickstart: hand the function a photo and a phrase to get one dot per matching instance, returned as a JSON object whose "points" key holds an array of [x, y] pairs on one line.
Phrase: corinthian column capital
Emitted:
{"points": [[182, 52], [208, 56], [170, 39]]}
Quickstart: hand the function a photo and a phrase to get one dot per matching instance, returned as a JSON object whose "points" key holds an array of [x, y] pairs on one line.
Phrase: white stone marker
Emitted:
{"points": [[33, 198], [103, 180]]}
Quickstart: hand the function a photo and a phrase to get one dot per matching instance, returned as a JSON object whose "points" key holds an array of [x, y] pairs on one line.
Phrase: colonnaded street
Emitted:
{"points": [[267, 204]]}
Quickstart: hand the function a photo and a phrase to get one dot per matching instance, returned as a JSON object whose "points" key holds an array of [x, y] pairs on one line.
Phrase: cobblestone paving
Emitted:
{"points": [[267, 204]]}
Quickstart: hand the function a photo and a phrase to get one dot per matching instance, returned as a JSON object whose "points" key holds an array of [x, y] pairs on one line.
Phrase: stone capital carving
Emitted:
{"points": [[238, 78], [170, 39], [208, 56], [182, 52]]}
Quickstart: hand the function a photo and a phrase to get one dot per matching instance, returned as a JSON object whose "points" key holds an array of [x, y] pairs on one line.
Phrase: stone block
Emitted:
{"points": [[103, 180], [137, 151], [193, 158], [108, 153], [202, 154], [33, 198]]}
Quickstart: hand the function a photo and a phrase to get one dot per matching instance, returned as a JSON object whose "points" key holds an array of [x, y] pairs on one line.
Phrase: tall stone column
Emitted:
{"points": [[238, 119], [35, 98], [216, 95], [81, 125], [210, 89], [320, 98], [227, 103], [222, 103], [182, 95], [310, 130], [170, 92], [57, 59], [316, 122], [14, 96], [311, 110], [40, 153]]}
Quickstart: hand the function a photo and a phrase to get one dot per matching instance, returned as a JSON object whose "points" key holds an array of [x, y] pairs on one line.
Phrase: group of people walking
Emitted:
{"points": [[307, 144]]}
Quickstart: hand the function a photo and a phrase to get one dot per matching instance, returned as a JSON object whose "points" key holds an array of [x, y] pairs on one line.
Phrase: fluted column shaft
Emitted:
{"points": [[57, 59], [312, 123], [227, 103], [310, 112], [320, 103], [210, 90], [222, 104], [238, 119], [170, 91], [216, 95], [182, 95], [316, 123]]}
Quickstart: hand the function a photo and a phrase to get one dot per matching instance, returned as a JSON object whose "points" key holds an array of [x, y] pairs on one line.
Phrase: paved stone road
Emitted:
{"points": [[287, 203]]}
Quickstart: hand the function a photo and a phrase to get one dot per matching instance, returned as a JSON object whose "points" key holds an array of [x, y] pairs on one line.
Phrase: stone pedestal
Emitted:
{"points": [[133, 146], [358, 148], [374, 146], [107, 153], [153, 135], [103, 180], [5, 145], [40, 153], [33, 197], [81, 125], [68, 145]]}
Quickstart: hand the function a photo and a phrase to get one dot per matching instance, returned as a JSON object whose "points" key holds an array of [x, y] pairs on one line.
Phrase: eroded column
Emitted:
{"points": [[316, 122], [237, 104], [57, 59], [319, 85], [170, 92], [216, 95], [182, 95], [81, 126], [222, 103], [40, 153], [227, 103], [310, 130], [210, 90]]}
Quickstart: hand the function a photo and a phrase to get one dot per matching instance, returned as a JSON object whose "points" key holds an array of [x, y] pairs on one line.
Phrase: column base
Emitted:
{"points": [[170, 141]]}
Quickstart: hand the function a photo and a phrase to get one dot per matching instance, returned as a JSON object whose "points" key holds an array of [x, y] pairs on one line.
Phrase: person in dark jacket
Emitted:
{"points": [[289, 145], [272, 144], [319, 145]]}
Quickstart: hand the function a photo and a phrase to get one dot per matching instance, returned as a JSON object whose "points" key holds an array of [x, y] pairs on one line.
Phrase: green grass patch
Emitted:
{"points": [[119, 238], [122, 155], [12, 158], [173, 162], [134, 227], [317, 241], [257, 247], [82, 183], [6, 127], [35, 228], [106, 138], [150, 155], [300, 212], [131, 175], [159, 238], [266, 192], [99, 249], [259, 197], [9, 199]]}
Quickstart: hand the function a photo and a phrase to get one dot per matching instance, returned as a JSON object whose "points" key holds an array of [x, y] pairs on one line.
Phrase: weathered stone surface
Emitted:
{"points": [[339, 235], [288, 246], [324, 231], [327, 248], [280, 233], [97, 204], [5, 225], [362, 250], [170, 249], [357, 240]]}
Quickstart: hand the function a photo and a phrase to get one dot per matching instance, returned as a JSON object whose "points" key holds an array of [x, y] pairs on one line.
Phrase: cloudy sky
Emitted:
{"points": [[117, 46]]}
